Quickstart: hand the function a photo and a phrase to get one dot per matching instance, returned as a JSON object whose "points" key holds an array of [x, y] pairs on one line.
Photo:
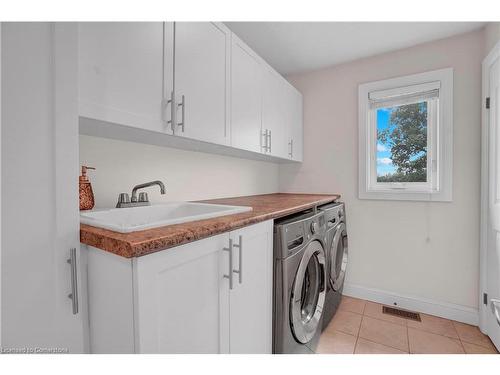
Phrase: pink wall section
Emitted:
{"points": [[491, 36], [421, 249]]}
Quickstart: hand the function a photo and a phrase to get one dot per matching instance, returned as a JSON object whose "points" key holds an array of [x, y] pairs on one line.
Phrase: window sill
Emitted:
{"points": [[400, 195]]}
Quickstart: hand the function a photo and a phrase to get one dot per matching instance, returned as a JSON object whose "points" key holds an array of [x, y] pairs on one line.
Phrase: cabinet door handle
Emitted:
{"points": [[74, 280], [495, 307], [264, 135], [239, 271], [183, 105], [230, 275], [172, 111]]}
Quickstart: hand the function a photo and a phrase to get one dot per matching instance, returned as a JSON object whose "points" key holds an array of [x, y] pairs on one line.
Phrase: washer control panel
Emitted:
{"points": [[295, 232], [334, 213], [294, 236], [314, 227]]}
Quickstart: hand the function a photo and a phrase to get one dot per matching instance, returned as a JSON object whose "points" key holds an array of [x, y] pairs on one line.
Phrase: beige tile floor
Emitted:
{"points": [[360, 327]]}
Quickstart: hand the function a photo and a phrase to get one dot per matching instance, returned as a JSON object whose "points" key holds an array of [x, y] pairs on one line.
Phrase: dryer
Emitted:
{"points": [[299, 283], [336, 257]]}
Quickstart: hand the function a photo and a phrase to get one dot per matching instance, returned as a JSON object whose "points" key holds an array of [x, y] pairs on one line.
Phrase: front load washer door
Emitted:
{"points": [[308, 294], [338, 257]]}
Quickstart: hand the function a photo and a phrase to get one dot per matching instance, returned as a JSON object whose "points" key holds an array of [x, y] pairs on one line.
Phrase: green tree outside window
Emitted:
{"points": [[406, 136]]}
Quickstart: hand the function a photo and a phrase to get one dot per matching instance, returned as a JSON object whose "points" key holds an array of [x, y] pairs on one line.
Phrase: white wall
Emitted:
{"points": [[421, 249], [187, 175], [491, 36]]}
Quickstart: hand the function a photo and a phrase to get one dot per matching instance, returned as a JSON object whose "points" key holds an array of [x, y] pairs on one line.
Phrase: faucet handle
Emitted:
{"points": [[123, 198], [143, 197]]}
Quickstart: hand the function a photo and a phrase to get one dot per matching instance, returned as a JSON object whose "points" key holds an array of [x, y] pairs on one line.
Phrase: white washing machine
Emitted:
{"points": [[299, 283], [336, 256]]}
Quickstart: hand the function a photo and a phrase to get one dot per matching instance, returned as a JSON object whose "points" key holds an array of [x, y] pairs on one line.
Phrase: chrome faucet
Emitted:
{"points": [[142, 200]]}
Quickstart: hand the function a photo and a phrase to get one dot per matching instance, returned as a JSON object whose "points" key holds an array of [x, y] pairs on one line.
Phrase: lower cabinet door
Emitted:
{"points": [[250, 300], [181, 299]]}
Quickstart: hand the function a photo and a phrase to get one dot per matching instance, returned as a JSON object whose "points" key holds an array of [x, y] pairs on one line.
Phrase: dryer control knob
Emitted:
{"points": [[314, 227]]}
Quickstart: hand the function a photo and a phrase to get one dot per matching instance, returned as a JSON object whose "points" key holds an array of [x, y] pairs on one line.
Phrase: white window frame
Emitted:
{"points": [[439, 137]]}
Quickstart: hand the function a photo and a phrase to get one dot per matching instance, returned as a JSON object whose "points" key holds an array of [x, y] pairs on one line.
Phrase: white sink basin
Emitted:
{"points": [[126, 220]]}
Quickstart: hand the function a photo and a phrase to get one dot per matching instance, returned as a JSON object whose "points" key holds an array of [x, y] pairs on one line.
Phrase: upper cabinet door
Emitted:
{"points": [[295, 124], [246, 97], [251, 297], [121, 72], [298, 128], [273, 114], [202, 81]]}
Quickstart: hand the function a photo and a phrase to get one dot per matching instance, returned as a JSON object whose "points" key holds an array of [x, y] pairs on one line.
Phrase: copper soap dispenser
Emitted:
{"points": [[86, 193]]}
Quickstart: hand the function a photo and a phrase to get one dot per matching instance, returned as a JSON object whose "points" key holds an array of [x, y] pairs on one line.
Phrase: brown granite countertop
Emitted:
{"points": [[265, 207]]}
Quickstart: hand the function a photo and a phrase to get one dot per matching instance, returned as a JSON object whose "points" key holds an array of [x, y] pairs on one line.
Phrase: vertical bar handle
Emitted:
{"points": [[239, 271], [172, 111], [264, 134], [495, 307], [74, 280], [270, 141], [230, 275], [183, 105]]}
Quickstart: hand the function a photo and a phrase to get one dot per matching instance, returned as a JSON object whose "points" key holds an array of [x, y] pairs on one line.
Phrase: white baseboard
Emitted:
{"points": [[446, 310]]}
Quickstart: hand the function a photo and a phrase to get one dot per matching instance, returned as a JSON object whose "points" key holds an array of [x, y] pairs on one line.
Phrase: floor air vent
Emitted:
{"points": [[401, 313]]}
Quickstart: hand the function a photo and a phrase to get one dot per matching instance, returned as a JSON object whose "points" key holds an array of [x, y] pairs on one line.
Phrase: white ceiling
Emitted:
{"points": [[292, 47]]}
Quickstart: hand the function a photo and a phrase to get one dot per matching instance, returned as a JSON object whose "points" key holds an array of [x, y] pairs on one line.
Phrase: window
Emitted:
{"points": [[405, 137]]}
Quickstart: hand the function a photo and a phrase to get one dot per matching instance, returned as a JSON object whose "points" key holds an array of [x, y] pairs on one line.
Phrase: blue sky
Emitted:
{"points": [[384, 162]]}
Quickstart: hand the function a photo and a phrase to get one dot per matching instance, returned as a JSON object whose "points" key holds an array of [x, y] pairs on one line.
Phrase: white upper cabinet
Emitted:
{"points": [[273, 114], [121, 73], [194, 80], [246, 97], [266, 111], [294, 124], [202, 81]]}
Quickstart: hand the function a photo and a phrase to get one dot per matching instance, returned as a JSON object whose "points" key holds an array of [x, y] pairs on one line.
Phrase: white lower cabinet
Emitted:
{"points": [[182, 300], [250, 299]]}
